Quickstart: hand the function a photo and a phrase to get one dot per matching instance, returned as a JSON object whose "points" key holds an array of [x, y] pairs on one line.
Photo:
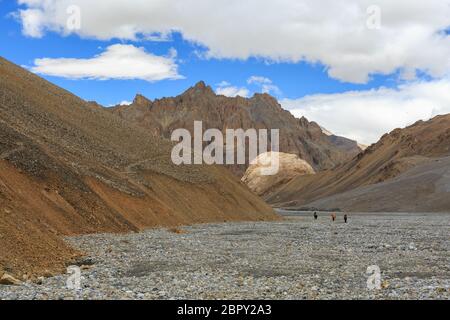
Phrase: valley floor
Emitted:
{"points": [[297, 258]]}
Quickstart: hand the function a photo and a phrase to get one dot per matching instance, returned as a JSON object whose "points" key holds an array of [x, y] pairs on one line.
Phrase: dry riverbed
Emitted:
{"points": [[297, 258]]}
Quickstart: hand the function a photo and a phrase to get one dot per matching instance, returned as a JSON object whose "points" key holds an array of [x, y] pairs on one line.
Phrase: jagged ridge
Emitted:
{"points": [[262, 111]]}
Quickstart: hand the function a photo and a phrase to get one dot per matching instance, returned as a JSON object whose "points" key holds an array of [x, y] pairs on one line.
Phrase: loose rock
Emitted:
{"points": [[298, 258], [9, 280]]}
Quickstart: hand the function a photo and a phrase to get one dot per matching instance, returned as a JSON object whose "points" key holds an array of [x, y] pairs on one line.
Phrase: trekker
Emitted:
{"points": [[345, 218], [315, 216]]}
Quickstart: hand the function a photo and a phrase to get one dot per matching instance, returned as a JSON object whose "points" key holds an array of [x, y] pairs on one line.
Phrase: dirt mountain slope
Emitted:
{"points": [[424, 188], [394, 154], [69, 167]]}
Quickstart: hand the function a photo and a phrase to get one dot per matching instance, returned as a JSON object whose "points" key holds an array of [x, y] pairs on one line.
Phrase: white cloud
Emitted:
{"points": [[33, 22], [224, 84], [226, 89], [123, 103], [333, 32], [265, 84], [366, 115], [116, 62], [258, 80]]}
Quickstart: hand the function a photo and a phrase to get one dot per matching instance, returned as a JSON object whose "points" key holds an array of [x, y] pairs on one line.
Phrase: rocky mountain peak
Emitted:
{"points": [[201, 88], [266, 98], [140, 100], [200, 85]]}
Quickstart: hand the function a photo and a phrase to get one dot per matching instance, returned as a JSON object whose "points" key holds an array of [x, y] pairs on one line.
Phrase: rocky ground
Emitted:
{"points": [[298, 258]]}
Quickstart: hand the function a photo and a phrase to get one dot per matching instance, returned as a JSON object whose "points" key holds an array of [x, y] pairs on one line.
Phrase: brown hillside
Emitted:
{"points": [[200, 103], [393, 155], [424, 188], [69, 167]]}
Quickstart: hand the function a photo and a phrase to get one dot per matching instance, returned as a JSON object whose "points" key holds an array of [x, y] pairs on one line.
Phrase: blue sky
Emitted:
{"points": [[354, 79], [294, 80]]}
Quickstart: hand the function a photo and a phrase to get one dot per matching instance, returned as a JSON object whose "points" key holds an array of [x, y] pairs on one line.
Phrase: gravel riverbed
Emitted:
{"points": [[297, 258]]}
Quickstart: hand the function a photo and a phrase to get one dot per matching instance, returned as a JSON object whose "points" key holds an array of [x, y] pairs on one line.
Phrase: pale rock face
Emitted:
{"points": [[9, 280], [290, 166], [362, 146]]}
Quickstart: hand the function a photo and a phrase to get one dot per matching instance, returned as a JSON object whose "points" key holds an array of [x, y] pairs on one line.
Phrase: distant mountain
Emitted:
{"points": [[407, 170], [351, 146], [70, 167], [200, 103]]}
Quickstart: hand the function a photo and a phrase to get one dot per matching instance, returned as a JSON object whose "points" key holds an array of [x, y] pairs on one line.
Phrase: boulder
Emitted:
{"points": [[290, 166], [9, 280]]}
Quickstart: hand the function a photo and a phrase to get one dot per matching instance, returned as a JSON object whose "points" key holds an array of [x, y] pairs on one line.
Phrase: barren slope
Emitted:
{"points": [[393, 155], [69, 167], [425, 188]]}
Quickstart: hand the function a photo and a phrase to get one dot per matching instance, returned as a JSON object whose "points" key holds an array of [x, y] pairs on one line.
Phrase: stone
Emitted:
{"points": [[9, 280], [288, 166]]}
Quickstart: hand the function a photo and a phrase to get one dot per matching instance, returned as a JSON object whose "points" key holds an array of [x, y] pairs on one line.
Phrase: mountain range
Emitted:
{"points": [[199, 103]]}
